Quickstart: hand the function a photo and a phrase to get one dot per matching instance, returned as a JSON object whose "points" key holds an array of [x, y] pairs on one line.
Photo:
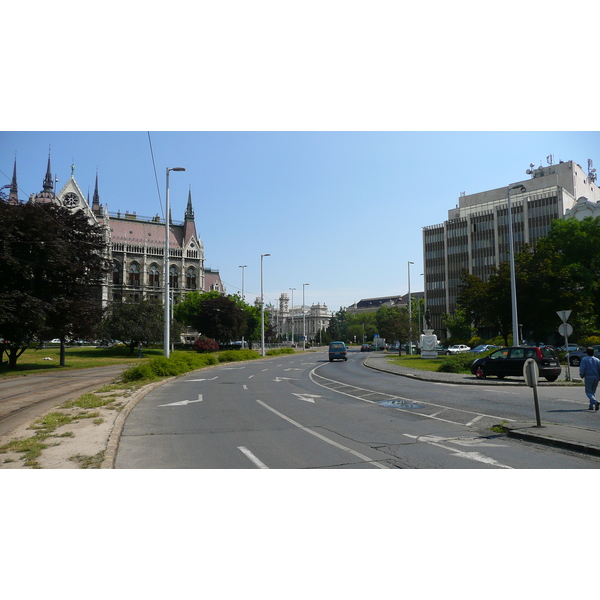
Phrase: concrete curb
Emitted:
{"points": [[112, 446]]}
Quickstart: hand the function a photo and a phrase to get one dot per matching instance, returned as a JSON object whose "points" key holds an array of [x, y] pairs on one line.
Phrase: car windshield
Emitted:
{"points": [[548, 352], [338, 346]]}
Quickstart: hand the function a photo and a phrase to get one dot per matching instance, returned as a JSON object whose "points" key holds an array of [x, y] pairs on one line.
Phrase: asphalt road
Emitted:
{"points": [[302, 412]]}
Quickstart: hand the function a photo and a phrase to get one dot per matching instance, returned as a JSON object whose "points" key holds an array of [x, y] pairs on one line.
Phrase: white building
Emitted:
{"points": [[289, 322]]}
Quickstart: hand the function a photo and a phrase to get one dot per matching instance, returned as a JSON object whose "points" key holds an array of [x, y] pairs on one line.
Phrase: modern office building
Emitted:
{"points": [[475, 236]]}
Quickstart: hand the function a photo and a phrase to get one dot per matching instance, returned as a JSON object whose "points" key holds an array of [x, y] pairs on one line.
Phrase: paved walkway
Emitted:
{"points": [[572, 438]]}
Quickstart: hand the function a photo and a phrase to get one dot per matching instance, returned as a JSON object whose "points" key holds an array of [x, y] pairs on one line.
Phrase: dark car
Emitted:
{"points": [[507, 362], [337, 350], [366, 348], [575, 357]]}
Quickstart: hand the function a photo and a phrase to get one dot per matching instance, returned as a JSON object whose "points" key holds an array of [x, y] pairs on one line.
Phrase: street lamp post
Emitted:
{"points": [[303, 319], [242, 267], [513, 283], [292, 316], [262, 308], [409, 311], [167, 332]]}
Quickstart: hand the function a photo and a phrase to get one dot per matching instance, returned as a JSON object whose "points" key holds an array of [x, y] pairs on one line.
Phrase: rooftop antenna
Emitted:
{"points": [[530, 170], [591, 172], [550, 159]]}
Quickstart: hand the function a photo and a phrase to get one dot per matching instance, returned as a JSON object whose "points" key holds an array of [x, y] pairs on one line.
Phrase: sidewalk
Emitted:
{"points": [[564, 436]]}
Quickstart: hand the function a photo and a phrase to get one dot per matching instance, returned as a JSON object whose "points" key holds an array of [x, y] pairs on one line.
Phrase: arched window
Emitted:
{"points": [[134, 275], [190, 279], [173, 280], [154, 276], [116, 273]]}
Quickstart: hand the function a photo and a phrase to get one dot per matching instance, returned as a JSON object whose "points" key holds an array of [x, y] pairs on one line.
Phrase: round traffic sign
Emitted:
{"points": [[565, 329]]}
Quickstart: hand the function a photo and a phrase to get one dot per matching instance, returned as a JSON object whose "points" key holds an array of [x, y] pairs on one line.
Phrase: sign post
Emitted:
{"points": [[531, 373], [565, 329]]}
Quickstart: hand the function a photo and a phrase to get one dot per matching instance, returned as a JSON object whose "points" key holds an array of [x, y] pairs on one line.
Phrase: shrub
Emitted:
{"points": [[276, 351], [205, 344], [237, 355], [459, 363], [138, 373]]}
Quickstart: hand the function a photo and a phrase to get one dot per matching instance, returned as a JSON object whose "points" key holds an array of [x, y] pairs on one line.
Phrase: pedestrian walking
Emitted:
{"points": [[589, 371], [140, 346]]}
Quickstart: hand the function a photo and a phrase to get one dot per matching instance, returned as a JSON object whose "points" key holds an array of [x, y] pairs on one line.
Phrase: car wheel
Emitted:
{"points": [[552, 378], [575, 361], [500, 376], [479, 373], [447, 353]]}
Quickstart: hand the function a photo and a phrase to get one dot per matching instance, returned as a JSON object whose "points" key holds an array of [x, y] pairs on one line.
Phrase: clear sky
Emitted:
{"points": [[341, 211]]}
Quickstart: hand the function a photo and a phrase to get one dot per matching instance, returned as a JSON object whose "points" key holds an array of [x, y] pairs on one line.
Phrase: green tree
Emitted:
{"points": [[392, 322], [221, 318], [51, 274], [136, 322], [459, 324]]}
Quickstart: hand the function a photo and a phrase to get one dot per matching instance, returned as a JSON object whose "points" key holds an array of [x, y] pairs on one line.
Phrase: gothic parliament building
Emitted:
{"points": [[135, 246]]}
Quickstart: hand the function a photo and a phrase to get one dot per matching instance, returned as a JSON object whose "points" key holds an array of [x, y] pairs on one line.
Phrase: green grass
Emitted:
{"points": [[32, 360], [446, 364], [416, 362]]}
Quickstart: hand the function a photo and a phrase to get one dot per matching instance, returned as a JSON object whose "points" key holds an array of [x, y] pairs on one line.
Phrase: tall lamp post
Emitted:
{"points": [[303, 319], [513, 283], [262, 308], [167, 333], [292, 316], [410, 262], [242, 267]]}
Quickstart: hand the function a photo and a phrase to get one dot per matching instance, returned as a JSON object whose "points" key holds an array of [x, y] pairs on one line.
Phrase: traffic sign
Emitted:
{"points": [[564, 315], [565, 329]]}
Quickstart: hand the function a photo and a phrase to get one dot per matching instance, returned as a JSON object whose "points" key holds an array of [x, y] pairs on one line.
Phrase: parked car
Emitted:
{"points": [[506, 362], [484, 348], [575, 357], [572, 348], [337, 350], [457, 349], [366, 348]]}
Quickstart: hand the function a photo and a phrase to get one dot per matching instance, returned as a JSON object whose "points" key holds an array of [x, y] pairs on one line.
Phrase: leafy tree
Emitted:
{"points": [[136, 322], [50, 276], [459, 324], [221, 318]]}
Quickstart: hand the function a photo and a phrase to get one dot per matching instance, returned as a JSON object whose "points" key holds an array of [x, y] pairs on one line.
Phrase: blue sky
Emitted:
{"points": [[341, 211]]}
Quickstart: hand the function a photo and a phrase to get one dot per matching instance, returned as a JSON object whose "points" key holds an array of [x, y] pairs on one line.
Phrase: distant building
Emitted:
{"points": [[374, 304], [475, 236], [289, 321]]}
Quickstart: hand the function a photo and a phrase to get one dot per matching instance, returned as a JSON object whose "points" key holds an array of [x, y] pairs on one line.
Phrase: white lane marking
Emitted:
{"points": [[473, 421], [322, 437], [256, 461], [293, 369], [280, 379], [251, 376], [307, 397], [245, 387], [211, 379], [460, 441], [183, 402], [232, 368], [311, 376], [476, 456]]}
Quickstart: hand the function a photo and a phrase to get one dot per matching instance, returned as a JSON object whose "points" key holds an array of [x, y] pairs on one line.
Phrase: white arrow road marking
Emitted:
{"points": [[184, 402], [325, 439], [477, 456], [211, 379], [280, 379], [256, 461], [293, 369], [307, 397]]}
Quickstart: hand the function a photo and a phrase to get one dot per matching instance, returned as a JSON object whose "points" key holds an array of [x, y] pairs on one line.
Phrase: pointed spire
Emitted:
{"points": [[48, 184], [13, 196], [189, 211], [96, 198]]}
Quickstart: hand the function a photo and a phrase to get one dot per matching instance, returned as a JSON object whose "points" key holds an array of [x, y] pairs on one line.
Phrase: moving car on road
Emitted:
{"points": [[510, 361], [337, 350], [576, 356]]}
